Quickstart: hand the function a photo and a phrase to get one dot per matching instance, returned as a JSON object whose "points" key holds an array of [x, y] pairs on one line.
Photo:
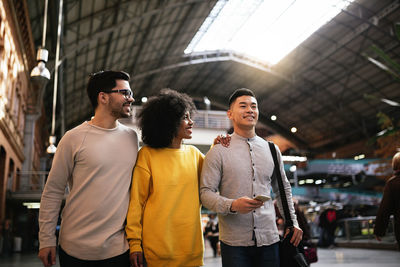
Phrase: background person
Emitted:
{"points": [[301, 219], [7, 242], [390, 204], [211, 231], [327, 223]]}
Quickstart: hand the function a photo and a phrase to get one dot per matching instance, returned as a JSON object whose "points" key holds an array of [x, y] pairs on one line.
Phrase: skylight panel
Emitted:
{"points": [[266, 30]]}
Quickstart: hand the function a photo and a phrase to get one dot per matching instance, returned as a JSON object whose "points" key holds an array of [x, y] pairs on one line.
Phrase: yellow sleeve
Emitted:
{"points": [[200, 164], [140, 189]]}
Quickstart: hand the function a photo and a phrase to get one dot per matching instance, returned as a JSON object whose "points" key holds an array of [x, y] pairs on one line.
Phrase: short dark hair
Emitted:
{"points": [[238, 93], [161, 117], [103, 81]]}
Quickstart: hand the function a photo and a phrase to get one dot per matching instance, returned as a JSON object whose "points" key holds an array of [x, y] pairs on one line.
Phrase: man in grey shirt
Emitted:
{"points": [[231, 179]]}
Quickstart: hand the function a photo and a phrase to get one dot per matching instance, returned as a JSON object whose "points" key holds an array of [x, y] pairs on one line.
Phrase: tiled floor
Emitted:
{"points": [[337, 257]]}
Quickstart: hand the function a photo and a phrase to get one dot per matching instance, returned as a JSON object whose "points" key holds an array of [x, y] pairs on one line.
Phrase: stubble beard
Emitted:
{"points": [[118, 112]]}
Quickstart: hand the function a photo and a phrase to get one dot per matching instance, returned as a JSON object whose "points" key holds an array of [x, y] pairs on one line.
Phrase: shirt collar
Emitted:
{"points": [[236, 136]]}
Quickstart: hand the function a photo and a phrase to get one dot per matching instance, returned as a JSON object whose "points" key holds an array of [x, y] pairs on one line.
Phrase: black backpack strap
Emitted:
{"points": [[282, 193]]}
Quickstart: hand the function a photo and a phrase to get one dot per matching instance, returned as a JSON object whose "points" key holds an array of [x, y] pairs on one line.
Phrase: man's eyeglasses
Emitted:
{"points": [[125, 92]]}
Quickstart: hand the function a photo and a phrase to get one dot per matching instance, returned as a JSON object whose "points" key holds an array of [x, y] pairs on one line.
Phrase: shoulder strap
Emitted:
{"points": [[282, 193]]}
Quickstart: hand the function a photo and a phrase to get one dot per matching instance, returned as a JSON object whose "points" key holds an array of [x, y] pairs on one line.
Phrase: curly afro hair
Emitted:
{"points": [[161, 117]]}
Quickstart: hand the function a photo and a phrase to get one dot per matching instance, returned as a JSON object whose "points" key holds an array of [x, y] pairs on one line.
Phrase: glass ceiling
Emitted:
{"points": [[266, 30]]}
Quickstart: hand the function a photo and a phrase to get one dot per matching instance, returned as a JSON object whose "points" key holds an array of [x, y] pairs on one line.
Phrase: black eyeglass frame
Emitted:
{"points": [[125, 92]]}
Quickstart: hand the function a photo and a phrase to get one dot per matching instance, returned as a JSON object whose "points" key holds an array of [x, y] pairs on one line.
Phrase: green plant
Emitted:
{"points": [[384, 61], [387, 141]]}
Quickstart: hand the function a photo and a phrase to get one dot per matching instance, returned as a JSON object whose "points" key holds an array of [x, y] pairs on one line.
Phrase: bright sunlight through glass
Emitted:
{"points": [[266, 30]]}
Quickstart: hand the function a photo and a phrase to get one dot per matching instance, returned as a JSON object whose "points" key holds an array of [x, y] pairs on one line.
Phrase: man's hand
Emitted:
{"points": [[245, 205], [379, 238], [223, 140], [296, 237], [48, 256], [136, 259]]}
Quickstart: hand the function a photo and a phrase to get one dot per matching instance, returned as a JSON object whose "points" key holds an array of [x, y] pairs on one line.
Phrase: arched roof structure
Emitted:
{"points": [[327, 87]]}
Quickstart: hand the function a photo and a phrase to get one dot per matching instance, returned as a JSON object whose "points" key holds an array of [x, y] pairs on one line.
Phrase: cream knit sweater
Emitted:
{"points": [[97, 165]]}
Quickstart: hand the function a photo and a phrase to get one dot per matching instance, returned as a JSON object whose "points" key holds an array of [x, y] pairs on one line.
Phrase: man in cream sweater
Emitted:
{"points": [[95, 160]]}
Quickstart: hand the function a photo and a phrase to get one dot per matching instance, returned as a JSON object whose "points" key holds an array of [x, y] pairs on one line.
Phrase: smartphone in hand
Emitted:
{"points": [[262, 198]]}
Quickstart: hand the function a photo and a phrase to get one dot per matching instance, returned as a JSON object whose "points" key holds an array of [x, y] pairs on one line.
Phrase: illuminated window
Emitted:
{"points": [[10, 178], [21, 121], [10, 65], [16, 106], [266, 30]]}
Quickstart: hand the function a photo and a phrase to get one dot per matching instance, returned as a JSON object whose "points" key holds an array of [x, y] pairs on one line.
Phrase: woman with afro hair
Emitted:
{"points": [[163, 221]]}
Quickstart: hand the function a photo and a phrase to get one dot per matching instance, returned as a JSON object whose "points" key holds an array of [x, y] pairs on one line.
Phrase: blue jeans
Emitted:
{"points": [[253, 256]]}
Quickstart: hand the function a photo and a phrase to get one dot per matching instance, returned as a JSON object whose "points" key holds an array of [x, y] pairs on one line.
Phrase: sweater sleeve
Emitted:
{"points": [[139, 193], [386, 208], [54, 191]]}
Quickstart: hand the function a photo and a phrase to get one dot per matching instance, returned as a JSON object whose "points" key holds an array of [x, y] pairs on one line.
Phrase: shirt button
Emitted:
{"points": [[254, 179], [253, 164], [254, 227], [254, 195], [248, 139], [251, 149], [254, 211]]}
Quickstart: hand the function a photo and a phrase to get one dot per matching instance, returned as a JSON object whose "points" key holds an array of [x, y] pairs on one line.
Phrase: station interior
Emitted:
{"points": [[326, 75]]}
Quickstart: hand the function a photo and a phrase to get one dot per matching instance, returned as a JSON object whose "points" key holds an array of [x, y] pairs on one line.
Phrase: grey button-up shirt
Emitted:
{"points": [[243, 169]]}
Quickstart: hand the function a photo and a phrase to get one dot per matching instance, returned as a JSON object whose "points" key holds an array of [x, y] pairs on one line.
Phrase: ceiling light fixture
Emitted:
{"points": [[294, 158], [52, 139], [40, 72], [51, 149], [207, 101], [293, 168]]}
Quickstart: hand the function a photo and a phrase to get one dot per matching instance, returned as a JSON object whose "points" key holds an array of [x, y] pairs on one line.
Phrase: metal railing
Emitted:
{"points": [[31, 185], [362, 228], [213, 119], [32, 180]]}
